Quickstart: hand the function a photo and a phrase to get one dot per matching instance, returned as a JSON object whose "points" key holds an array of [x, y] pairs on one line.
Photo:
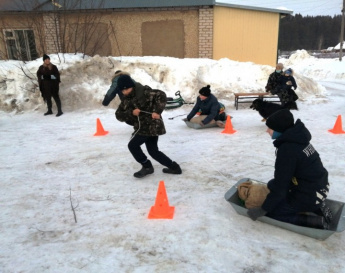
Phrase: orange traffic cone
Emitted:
{"points": [[100, 130], [161, 209], [228, 127], [338, 127]]}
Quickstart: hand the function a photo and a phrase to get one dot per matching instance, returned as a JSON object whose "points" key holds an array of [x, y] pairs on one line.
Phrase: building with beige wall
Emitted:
{"points": [[181, 28]]}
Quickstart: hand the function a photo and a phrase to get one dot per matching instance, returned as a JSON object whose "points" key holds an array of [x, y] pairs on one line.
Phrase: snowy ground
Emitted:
{"points": [[47, 162]]}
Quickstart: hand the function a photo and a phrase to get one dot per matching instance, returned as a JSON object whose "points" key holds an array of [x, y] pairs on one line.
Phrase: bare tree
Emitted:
{"points": [[67, 26]]}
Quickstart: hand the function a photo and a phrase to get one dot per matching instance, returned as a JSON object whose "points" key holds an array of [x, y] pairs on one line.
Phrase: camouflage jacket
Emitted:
{"points": [[273, 81], [146, 99]]}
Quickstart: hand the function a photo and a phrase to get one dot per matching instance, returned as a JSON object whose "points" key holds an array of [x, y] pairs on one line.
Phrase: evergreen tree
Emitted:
{"points": [[310, 33]]}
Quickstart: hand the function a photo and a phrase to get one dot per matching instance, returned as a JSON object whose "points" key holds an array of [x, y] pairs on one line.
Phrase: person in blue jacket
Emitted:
{"points": [[113, 90], [209, 108], [300, 184]]}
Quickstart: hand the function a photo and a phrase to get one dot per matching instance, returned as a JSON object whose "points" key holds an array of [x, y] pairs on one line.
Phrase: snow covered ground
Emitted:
{"points": [[48, 162]]}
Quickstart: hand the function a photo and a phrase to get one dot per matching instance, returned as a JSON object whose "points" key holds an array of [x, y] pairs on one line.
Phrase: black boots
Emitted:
{"points": [[59, 113], [148, 169], [145, 170], [312, 221], [326, 212], [49, 112], [173, 169]]}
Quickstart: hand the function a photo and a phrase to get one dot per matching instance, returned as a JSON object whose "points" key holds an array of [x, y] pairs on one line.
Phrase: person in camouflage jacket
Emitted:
{"points": [[142, 107], [273, 79]]}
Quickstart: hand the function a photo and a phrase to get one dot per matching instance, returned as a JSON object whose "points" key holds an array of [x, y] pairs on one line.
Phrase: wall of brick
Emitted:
{"points": [[206, 33], [51, 29]]}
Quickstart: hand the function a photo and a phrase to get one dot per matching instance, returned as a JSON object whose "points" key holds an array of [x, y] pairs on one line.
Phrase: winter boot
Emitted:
{"points": [[49, 112], [58, 104], [326, 212], [312, 221], [173, 169], [145, 170], [59, 113]]}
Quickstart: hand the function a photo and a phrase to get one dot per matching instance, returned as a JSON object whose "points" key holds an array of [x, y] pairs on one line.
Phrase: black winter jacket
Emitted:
{"points": [[284, 79], [209, 107], [299, 176]]}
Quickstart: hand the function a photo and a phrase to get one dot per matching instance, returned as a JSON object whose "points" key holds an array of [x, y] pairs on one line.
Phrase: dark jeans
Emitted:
{"points": [[151, 143], [51, 89], [57, 101], [285, 213]]}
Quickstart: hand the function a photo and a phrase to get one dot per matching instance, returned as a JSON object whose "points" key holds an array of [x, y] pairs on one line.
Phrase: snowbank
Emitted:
{"points": [[84, 82]]}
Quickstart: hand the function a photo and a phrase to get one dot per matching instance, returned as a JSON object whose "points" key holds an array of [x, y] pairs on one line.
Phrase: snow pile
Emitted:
{"points": [[84, 82], [317, 69]]}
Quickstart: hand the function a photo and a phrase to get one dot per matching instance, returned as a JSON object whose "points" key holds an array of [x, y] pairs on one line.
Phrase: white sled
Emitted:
{"points": [[337, 208], [198, 126]]}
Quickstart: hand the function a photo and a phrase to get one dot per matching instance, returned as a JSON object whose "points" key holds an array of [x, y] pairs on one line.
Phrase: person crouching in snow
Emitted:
{"points": [[210, 109], [142, 107], [300, 183]]}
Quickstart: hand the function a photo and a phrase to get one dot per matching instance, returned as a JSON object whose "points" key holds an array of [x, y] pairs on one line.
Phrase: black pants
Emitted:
{"points": [[151, 143], [51, 89], [56, 97]]}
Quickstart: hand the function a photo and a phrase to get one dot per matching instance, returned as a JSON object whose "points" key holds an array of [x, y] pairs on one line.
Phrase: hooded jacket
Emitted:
{"points": [[113, 90], [147, 100], [299, 177], [209, 107]]}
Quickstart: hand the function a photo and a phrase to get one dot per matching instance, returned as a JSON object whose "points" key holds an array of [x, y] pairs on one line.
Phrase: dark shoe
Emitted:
{"points": [[50, 112], [173, 169], [59, 114], [326, 212], [145, 170], [312, 221]]}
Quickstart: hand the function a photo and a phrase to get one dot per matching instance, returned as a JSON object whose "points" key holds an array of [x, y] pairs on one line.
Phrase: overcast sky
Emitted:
{"points": [[304, 7]]}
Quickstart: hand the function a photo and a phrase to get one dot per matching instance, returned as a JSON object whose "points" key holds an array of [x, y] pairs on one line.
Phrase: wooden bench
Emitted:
{"points": [[249, 97]]}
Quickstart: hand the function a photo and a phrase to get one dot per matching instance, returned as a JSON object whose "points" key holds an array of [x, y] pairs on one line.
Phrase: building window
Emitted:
{"points": [[20, 44]]}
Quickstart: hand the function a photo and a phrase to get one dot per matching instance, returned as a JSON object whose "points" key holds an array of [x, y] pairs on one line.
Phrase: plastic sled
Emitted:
{"points": [[198, 126], [177, 102], [337, 207]]}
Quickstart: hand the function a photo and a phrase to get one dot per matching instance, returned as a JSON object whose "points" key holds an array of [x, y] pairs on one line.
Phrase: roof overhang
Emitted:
{"points": [[280, 11]]}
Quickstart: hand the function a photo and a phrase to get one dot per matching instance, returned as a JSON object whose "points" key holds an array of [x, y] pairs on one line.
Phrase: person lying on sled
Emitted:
{"points": [[209, 109], [300, 184]]}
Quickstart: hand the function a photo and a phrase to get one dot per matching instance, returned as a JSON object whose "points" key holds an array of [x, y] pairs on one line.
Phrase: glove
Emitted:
{"points": [[255, 213]]}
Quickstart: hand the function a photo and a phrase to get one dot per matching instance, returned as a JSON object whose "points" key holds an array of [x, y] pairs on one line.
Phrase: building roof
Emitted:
{"points": [[50, 5]]}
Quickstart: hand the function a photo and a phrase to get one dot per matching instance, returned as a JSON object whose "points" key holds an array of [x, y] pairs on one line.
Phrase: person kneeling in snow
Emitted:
{"points": [[210, 109], [300, 183], [142, 107]]}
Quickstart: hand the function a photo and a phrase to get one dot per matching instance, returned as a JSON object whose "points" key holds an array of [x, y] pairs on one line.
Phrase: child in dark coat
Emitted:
{"points": [[300, 184], [142, 107], [285, 90], [210, 109]]}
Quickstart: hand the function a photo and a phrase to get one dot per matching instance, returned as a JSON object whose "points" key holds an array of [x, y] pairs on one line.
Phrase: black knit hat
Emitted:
{"points": [[205, 91], [125, 82], [280, 121], [45, 56]]}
